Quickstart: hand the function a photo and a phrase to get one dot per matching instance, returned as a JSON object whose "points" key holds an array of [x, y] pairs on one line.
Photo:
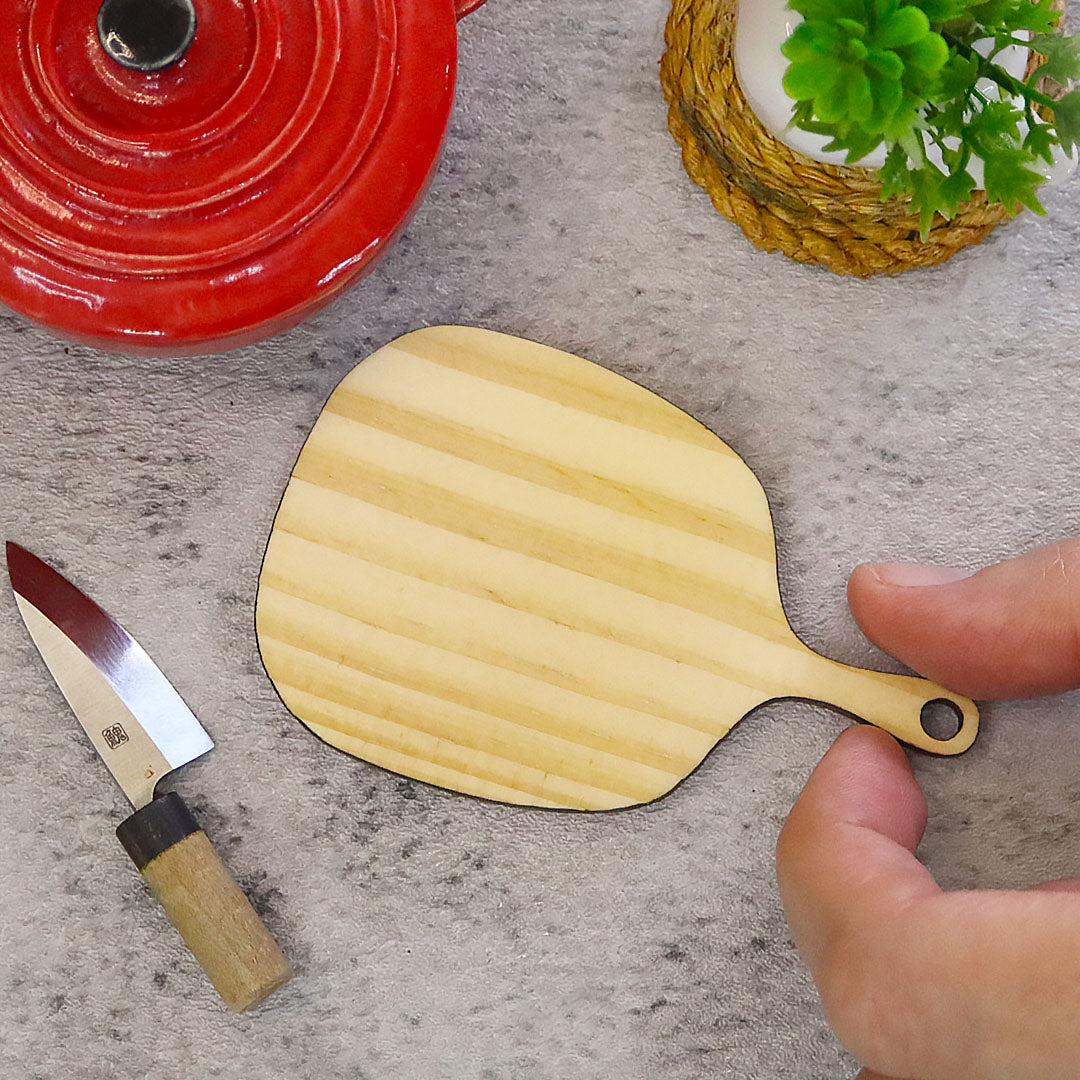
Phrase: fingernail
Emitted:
{"points": [[911, 575]]}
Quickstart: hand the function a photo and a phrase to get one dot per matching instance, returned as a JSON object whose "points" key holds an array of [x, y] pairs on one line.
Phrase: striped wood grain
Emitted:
{"points": [[506, 571]]}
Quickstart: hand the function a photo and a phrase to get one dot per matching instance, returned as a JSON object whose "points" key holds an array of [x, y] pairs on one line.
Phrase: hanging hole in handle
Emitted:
{"points": [[941, 719]]}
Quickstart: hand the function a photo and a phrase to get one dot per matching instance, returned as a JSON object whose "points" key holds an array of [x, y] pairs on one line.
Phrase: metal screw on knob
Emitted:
{"points": [[146, 35]]}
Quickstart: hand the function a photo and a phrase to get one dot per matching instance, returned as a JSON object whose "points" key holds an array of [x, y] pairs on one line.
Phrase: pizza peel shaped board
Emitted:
{"points": [[503, 570]]}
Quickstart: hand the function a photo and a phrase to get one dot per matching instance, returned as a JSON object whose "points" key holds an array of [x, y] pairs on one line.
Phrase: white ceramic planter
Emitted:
{"points": [[762, 27]]}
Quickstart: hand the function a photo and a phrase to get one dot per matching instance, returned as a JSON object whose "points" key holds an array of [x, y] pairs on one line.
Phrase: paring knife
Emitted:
{"points": [[143, 730]]}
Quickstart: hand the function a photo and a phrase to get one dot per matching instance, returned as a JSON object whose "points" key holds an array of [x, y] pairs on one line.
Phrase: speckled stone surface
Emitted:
{"points": [[928, 417]]}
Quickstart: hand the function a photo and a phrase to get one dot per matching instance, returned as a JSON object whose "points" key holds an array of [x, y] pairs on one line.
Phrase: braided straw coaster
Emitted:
{"points": [[829, 215]]}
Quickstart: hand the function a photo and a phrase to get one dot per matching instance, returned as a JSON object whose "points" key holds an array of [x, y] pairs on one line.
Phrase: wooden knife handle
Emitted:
{"points": [[214, 917]]}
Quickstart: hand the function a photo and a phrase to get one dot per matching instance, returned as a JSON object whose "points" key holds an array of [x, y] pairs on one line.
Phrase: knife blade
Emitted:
{"points": [[143, 730], [108, 680]]}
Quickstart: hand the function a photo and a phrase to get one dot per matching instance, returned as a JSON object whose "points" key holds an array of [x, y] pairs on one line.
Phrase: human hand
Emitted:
{"points": [[918, 983]]}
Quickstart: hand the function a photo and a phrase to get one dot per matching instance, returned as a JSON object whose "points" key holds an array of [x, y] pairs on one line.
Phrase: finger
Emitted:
{"points": [[917, 982], [844, 859], [866, 1074], [863, 801], [1010, 630], [1067, 885]]}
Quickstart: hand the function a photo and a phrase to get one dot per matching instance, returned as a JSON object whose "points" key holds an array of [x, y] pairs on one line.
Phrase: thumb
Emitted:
{"points": [[1010, 630]]}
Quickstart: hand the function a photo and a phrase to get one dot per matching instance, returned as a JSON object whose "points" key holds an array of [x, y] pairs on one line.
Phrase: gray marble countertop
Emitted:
{"points": [[932, 416]]}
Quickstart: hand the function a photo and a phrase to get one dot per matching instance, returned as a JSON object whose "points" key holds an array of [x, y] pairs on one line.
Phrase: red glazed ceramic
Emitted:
{"points": [[183, 176]]}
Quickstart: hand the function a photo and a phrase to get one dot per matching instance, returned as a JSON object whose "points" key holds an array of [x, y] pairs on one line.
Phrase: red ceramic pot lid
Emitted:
{"points": [[228, 195]]}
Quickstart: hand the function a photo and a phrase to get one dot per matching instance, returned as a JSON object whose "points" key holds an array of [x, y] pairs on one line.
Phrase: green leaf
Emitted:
{"points": [[888, 98], [1067, 121], [895, 177], [929, 54], [832, 105], [956, 78], [998, 120], [904, 119], [804, 82], [943, 11], [1040, 142], [802, 47], [926, 196], [886, 63], [855, 142], [802, 116], [810, 41], [992, 12], [852, 27], [1008, 180], [908, 26], [955, 191], [860, 98], [949, 121], [827, 10], [1039, 18], [1062, 57], [857, 49]]}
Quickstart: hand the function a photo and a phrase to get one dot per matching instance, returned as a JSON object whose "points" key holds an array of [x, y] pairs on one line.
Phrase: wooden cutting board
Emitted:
{"points": [[507, 571]]}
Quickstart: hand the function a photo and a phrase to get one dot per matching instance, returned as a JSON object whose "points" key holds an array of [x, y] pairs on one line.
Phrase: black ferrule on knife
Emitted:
{"points": [[155, 828]]}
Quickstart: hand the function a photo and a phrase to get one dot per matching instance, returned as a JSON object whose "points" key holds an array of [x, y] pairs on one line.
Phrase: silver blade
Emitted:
{"points": [[137, 722]]}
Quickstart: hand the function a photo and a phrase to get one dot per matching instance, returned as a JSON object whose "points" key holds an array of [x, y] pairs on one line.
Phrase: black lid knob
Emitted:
{"points": [[146, 35]]}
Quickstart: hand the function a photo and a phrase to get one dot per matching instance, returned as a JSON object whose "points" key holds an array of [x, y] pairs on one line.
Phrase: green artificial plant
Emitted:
{"points": [[911, 73]]}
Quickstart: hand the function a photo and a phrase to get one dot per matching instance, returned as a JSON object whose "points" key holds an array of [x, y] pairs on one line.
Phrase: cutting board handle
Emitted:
{"points": [[214, 917], [463, 7], [896, 703]]}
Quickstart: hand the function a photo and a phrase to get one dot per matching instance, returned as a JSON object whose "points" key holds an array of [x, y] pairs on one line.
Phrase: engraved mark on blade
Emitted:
{"points": [[114, 736]]}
